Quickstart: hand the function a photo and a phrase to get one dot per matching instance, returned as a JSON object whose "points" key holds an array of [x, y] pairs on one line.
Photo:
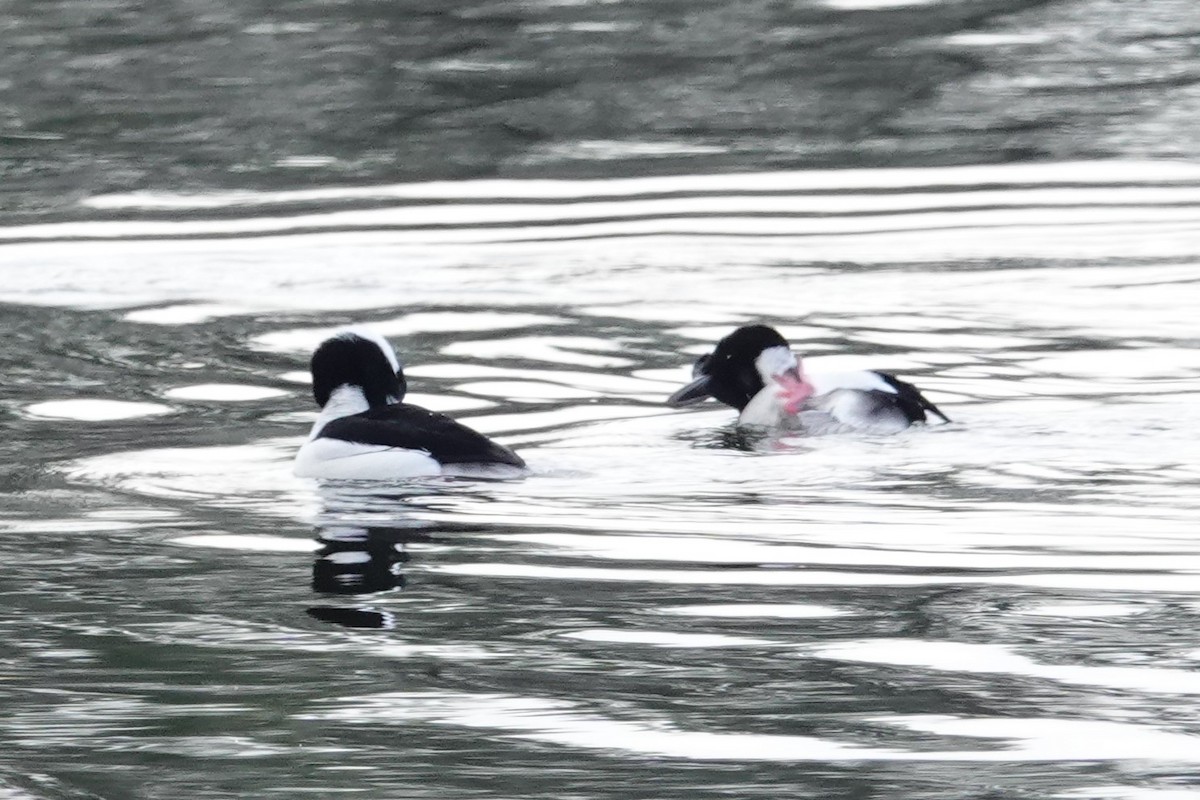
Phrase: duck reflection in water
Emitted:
{"points": [[359, 558], [357, 561]]}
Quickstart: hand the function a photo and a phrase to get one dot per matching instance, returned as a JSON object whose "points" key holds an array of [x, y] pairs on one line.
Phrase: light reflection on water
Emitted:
{"points": [[1014, 588], [563, 724]]}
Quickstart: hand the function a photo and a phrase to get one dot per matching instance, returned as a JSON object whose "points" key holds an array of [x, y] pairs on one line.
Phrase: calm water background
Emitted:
{"points": [[552, 208]]}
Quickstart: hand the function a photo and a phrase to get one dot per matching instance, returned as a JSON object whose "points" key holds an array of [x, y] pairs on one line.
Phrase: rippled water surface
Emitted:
{"points": [[1004, 606]]}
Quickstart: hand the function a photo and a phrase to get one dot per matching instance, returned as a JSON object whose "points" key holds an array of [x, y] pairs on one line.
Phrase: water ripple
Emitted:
{"points": [[1012, 589], [567, 724]]}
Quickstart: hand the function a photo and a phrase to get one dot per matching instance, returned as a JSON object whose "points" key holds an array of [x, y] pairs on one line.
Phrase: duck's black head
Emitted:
{"points": [[733, 372], [358, 358]]}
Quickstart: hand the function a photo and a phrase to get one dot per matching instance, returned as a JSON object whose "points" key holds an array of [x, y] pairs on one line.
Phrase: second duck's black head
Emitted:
{"points": [[730, 373], [360, 358]]}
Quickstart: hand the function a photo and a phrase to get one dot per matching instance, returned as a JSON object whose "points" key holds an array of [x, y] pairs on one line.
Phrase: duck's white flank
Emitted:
{"points": [[863, 381], [342, 460]]}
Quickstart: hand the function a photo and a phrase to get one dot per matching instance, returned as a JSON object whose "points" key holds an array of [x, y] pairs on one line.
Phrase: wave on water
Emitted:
{"points": [[1101, 209]]}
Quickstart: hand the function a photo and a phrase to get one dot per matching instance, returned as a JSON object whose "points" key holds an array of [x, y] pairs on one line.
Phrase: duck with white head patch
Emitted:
{"points": [[365, 432], [755, 371]]}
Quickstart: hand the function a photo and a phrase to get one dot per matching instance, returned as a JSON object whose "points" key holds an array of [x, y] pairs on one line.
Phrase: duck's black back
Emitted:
{"points": [[414, 428]]}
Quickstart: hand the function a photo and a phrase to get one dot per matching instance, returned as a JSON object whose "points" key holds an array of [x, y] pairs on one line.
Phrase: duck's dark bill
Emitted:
{"points": [[691, 394]]}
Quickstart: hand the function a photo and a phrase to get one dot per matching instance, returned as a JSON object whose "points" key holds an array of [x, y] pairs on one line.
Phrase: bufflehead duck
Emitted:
{"points": [[365, 432], [755, 371]]}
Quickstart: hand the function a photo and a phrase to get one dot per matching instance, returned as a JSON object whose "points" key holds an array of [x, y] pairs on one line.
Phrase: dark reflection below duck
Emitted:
{"points": [[363, 559], [360, 560], [357, 561]]}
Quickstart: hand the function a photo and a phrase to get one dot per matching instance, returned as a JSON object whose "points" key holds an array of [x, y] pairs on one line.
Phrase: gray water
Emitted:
{"points": [[998, 201]]}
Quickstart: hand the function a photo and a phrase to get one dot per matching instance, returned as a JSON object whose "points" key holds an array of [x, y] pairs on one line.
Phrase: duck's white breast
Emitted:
{"points": [[765, 410]]}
